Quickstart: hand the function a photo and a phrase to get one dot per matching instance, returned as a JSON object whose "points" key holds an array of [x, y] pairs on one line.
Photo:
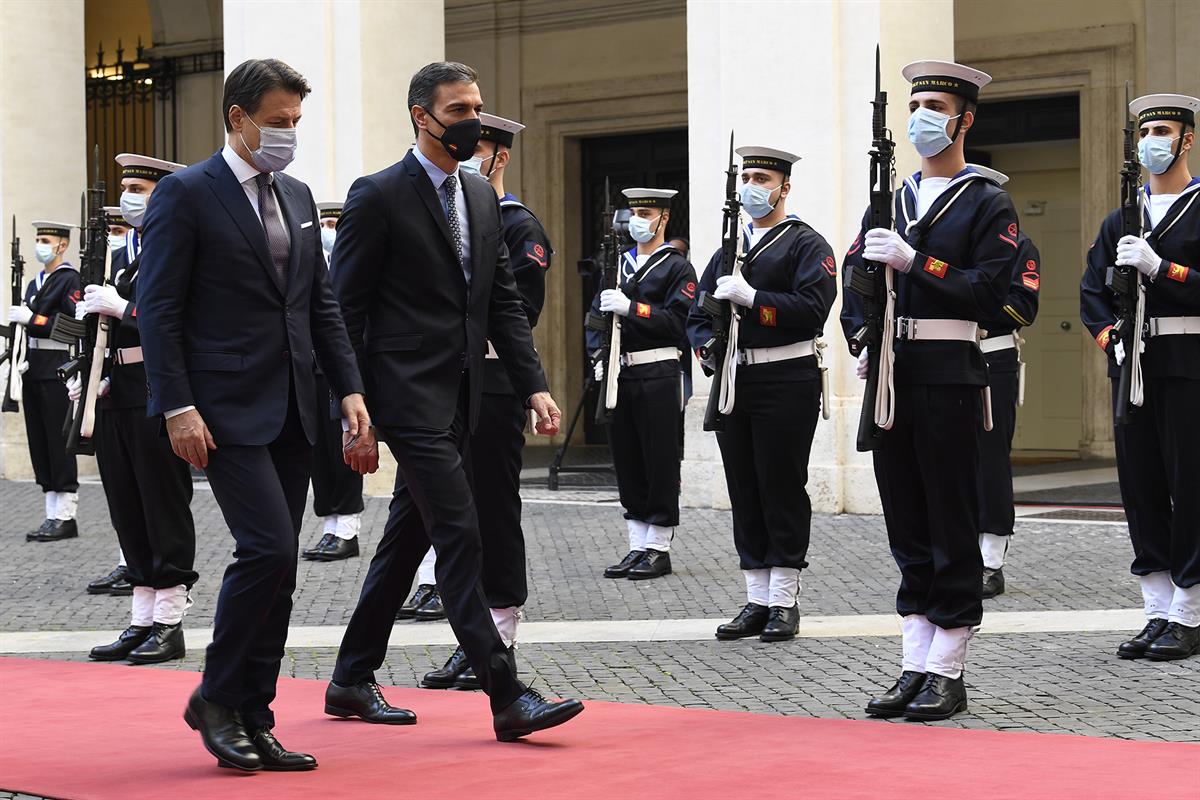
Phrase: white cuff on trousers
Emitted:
{"points": [[659, 538], [1158, 592], [170, 603], [785, 585], [1185, 606], [637, 534], [948, 653], [347, 526], [993, 549], [917, 633], [143, 607], [506, 621], [758, 586], [426, 572]]}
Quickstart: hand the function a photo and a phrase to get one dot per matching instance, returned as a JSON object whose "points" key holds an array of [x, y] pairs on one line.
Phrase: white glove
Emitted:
{"points": [[80, 311], [861, 368], [888, 247], [102, 389], [1133, 251], [104, 300], [20, 314], [735, 289], [615, 301], [74, 388], [1119, 350], [598, 370]]}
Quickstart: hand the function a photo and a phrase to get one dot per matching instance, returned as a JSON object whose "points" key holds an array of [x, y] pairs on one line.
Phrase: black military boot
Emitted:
{"points": [[1136, 647], [448, 675], [103, 585], [130, 638], [57, 530], [422, 593], [621, 569], [432, 609], [940, 698], [122, 588], [1176, 642], [993, 582], [750, 621], [164, 644], [893, 702], [37, 532], [782, 624], [470, 681], [335, 550], [325, 541], [655, 564]]}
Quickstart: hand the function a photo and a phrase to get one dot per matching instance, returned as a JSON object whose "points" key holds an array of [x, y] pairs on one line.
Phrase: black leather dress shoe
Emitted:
{"points": [[993, 582], [365, 701], [122, 588], [750, 621], [1176, 642], [1136, 647], [621, 568], [222, 732], [325, 541], [164, 644], [34, 534], [409, 609], [102, 585], [782, 624], [276, 758], [448, 675], [129, 639], [335, 550], [432, 609], [940, 698], [469, 681], [893, 702], [531, 712], [654, 564], [57, 530]]}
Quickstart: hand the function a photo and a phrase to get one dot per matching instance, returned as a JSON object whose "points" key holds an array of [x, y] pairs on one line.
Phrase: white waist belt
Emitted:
{"points": [[1174, 326], [128, 355], [650, 356], [953, 330], [767, 355], [47, 344], [995, 344], [491, 353]]}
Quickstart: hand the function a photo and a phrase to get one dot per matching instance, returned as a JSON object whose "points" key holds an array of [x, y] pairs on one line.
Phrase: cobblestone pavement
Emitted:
{"points": [[1054, 682]]}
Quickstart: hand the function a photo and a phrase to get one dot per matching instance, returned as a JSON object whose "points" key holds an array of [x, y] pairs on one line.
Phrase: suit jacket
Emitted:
{"points": [[219, 330], [417, 328]]}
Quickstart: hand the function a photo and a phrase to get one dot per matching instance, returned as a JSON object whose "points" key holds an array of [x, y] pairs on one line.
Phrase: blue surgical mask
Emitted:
{"points": [[756, 199], [472, 165], [115, 241], [44, 253], [276, 147], [328, 235], [927, 131], [643, 230], [133, 208], [1157, 153]]}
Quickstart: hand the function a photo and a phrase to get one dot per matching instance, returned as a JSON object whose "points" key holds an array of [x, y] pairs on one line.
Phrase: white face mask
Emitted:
{"points": [[133, 208], [643, 230], [115, 241], [328, 235], [43, 252], [927, 131], [276, 147], [1157, 153]]}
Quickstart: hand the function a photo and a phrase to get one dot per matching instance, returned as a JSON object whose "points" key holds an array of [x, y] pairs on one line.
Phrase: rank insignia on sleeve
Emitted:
{"points": [[1102, 337], [536, 253], [40, 320], [766, 316], [830, 265], [1012, 229], [1177, 272], [1031, 265], [643, 310], [1031, 280], [855, 246], [935, 267], [689, 291], [76, 295]]}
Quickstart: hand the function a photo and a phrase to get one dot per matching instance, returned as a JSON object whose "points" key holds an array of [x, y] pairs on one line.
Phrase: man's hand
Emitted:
{"points": [[190, 438], [548, 415], [360, 450], [598, 370], [736, 289], [104, 300], [615, 301], [888, 247], [1133, 251], [74, 388], [20, 314]]}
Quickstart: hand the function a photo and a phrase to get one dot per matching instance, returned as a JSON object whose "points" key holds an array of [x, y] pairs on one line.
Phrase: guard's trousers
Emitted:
{"points": [[926, 471], [337, 489], [644, 438], [45, 405], [996, 514]]}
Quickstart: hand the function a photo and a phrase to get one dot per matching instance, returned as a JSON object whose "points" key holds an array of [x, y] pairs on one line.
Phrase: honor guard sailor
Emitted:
{"points": [[951, 258], [494, 455], [1158, 449], [655, 289], [1006, 380], [148, 489], [783, 291], [337, 489], [53, 291], [117, 227]]}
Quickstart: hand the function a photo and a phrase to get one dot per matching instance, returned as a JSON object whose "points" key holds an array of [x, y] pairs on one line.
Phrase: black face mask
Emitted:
{"points": [[459, 139]]}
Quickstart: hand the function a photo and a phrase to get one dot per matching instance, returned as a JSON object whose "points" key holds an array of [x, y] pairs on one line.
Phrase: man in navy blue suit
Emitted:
{"points": [[234, 302]]}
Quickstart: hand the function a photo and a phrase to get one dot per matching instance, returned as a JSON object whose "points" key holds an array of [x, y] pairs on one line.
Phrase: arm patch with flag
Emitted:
{"points": [[643, 310], [1103, 336], [1177, 272], [767, 316], [935, 267]]}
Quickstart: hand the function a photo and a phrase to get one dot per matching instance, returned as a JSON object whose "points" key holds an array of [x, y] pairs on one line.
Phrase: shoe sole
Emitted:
{"points": [[925, 717], [1160, 657], [194, 724], [729, 637], [436, 685], [99, 590], [649, 577], [512, 736], [1131, 656], [467, 687], [132, 660], [342, 713], [881, 714], [438, 618], [265, 768], [108, 658], [56, 538], [332, 558], [616, 576], [765, 638]]}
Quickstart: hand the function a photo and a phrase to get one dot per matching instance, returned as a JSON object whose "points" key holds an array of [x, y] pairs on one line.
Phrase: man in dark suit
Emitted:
{"points": [[234, 301], [422, 273]]}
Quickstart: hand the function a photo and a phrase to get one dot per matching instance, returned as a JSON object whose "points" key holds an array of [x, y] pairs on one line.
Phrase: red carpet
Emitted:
{"points": [[72, 730]]}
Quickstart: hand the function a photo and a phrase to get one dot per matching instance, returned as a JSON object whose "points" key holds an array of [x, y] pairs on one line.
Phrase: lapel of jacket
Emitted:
{"points": [[233, 198], [429, 197], [478, 195], [290, 206]]}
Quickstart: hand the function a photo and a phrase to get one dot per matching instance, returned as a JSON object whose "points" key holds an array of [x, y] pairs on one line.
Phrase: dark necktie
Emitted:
{"points": [[450, 186], [277, 240]]}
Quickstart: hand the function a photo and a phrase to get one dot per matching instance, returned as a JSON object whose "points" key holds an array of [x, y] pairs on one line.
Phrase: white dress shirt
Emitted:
{"points": [[438, 178]]}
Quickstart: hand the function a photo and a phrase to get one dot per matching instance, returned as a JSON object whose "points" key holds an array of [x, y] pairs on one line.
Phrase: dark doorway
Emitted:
{"points": [[658, 160]]}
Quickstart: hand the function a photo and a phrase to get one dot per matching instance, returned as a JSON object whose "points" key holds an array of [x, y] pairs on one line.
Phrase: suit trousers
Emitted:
{"points": [[262, 491], [337, 489], [45, 405], [996, 514], [431, 503], [149, 490]]}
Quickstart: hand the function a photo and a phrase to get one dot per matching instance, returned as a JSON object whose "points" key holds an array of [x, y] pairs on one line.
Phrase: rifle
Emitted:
{"points": [[1125, 282], [718, 350], [92, 332], [14, 353], [870, 281], [608, 325]]}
